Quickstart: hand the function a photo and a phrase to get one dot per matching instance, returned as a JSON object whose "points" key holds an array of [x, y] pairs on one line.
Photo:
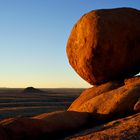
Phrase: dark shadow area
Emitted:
{"points": [[56, 126]]}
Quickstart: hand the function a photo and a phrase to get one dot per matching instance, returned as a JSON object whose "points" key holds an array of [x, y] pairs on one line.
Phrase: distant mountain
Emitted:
{"points": [[32, 90]]}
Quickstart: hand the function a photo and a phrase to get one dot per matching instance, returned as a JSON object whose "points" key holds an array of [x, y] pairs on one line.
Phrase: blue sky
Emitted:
{"points": [[33, 37]]}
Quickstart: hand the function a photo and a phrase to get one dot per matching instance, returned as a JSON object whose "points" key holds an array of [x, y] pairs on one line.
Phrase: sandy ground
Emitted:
{"points": [[13, 102]]}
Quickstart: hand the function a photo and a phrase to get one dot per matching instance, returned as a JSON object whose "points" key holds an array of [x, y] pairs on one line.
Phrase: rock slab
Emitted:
{"points": [[122, 129], [104, 100]]}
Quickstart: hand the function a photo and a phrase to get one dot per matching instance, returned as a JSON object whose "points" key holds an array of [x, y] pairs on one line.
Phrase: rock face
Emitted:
{"points": [[46, 126], [110, 102], [137, 106], [104, 45], [93, 92], [122, 129]]}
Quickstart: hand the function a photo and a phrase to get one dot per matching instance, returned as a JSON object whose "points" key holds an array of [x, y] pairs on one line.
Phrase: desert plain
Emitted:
{"points": [[14, 102]]}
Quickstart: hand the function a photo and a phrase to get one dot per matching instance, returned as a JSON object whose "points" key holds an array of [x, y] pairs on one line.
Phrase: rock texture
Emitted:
{"points": [[137, 106], [93, 92], [119, 101], [104, 45], [46, 126], [122, 129]]}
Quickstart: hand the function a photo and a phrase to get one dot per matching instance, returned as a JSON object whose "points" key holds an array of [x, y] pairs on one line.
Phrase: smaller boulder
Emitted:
{"points": [[110, 103], [93, 92]]}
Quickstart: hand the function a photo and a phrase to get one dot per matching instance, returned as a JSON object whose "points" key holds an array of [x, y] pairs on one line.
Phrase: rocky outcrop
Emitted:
{"points": [[93, 92], [45, 126], [104, 45], [60, 125], [103, 48], [119, 101], [122, 129]]}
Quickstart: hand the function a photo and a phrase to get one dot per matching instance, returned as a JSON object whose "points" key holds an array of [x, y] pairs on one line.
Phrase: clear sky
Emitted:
{"points": [[33, 37]]}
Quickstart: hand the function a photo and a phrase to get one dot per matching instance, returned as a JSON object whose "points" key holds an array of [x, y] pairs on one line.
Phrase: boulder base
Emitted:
{"points": [[106, 101]]}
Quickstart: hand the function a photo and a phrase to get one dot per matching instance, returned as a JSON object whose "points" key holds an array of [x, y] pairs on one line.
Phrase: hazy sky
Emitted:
{"points": [[33, 37]]}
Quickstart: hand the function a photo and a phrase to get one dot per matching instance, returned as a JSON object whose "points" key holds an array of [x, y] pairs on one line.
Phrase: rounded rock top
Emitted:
{"points": [[104, 45]]}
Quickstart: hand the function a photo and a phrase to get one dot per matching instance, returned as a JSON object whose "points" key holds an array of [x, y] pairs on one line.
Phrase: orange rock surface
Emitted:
{"points": [[46, 126], [121, 100], [123, 129], [93, 92], [104, 45]]}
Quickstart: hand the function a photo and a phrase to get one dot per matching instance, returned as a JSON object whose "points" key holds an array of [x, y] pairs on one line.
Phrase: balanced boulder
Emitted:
{"points": [[104, 45]]}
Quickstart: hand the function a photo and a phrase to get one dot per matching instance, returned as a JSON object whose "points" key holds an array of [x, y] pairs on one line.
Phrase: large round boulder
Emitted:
{"points": [[104, 45]]}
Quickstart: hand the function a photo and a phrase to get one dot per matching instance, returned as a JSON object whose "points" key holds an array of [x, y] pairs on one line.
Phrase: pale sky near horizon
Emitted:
{"points": [[33, 37]]}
